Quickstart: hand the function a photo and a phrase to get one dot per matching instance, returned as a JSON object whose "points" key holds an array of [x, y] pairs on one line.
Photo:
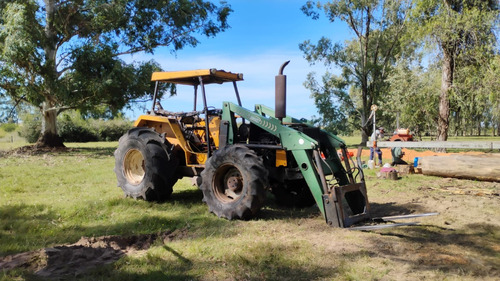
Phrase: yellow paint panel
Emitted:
{"points": [[173, 134], [191, 77], [170, 75], [281, 158], [144, 118], [214, 130]]}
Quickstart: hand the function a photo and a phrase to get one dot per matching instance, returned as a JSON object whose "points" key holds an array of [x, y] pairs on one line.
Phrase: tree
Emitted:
{"points": [[412, 93], [366, 60], [491, 85], [60, 55], [333, 103], [462, 30]]}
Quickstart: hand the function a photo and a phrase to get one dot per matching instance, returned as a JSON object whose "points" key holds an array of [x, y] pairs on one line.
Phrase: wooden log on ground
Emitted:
{"points": [[484, 167]]}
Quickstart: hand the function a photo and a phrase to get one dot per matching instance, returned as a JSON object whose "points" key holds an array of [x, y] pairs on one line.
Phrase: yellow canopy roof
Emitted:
{"points": [[191, 77]]}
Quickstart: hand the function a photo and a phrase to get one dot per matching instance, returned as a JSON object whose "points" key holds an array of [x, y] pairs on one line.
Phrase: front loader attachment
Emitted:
{"points": [[339, 189], [346, 205]]}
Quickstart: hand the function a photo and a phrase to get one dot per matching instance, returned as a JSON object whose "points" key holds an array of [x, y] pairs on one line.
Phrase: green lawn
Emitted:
{"points": [[56, 198]]}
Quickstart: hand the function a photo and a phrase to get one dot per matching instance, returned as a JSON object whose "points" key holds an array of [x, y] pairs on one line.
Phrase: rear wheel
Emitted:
{"points": [[144, 166], [234, 182]]}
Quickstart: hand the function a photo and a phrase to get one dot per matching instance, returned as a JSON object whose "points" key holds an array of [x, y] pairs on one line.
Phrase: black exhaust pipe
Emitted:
{"points": [[280, 93]]}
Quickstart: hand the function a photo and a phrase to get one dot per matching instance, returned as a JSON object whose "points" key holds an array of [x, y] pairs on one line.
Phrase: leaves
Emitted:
{"points": [[413, 94], [381, 64], [365, 60], [332, 101], [66, 53], [463, 32]]}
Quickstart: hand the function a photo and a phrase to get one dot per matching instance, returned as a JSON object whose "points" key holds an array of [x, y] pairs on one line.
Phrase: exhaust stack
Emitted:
{"points": [[280, 93]]}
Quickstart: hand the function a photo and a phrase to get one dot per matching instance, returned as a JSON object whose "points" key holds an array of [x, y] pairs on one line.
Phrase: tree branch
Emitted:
{"points": [[170, 40], [59, 73]]}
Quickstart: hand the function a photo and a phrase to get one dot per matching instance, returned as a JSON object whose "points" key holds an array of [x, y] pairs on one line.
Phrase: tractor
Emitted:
{"points": [[236, 155]]}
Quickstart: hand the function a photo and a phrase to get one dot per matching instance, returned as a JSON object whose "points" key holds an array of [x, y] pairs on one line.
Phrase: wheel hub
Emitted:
{"points": [[133, 166], [229, 187], [234, 181]]}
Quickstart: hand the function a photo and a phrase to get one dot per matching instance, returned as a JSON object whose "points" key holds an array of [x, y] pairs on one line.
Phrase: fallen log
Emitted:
{"points": [[484, 167]]}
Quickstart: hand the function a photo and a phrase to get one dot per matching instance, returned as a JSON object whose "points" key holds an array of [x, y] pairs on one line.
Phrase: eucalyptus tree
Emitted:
{"points": [[412, 94], [58, 54], [333, 103], [365, 60], [463, 32], [492, 88], [477, 94]]}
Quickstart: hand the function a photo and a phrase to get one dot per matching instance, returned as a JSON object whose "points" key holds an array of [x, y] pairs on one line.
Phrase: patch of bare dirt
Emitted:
{"points": [[457, 186], [29, 150], [86, 254], [460, 243]]}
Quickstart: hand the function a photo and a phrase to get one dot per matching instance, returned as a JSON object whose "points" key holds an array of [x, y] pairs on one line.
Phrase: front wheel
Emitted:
{"points": [[234, 182]]}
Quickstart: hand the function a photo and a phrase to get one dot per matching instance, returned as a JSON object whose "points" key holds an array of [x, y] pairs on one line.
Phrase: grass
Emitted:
{"points": [[11, 140], [56, 198]]}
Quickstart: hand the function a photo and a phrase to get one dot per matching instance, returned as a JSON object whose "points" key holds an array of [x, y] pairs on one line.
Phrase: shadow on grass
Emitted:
{"points": [[21, 226], [272, 211], [31, 150], [267, 261], [189, 196], [472, 250], [260, 262], [28, 227], [394, 209], [93, 152], [112, 274]]}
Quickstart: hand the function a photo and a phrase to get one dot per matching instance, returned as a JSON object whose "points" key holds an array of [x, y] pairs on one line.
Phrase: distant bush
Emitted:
{"points": [[71, 127], [110, 130], [75, 130], [31, 127], [9, 127]]}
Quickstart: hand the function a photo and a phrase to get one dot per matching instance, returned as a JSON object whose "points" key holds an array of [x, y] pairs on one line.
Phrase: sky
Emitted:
{"points": [[263, 35]]}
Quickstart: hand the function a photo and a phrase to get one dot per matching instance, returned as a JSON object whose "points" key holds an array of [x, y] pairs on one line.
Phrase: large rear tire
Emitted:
{"points": [[144, 166], [234, 182]]}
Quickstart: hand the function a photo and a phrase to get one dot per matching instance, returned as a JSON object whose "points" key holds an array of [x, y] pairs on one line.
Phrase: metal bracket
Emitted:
{"points": [[346, 205]]}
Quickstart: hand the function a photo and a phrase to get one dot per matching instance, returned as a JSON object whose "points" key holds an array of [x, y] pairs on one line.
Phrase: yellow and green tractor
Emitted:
{"points": [[236, 155]]}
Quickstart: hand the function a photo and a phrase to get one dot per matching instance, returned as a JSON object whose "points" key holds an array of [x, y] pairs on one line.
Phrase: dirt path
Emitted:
{"points": [[410, 154], [88, 253]]}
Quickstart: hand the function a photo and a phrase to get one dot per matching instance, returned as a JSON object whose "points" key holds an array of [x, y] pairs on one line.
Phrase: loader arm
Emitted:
{"points": [[316, 158], [290, 138]]}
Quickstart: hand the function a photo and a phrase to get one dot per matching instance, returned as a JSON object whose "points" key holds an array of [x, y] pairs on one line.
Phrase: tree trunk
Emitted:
{"points": [[364, 137], [364, 132], [479, 127], [458, 124], [49, 136], [444, 100], [479, 167]]}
